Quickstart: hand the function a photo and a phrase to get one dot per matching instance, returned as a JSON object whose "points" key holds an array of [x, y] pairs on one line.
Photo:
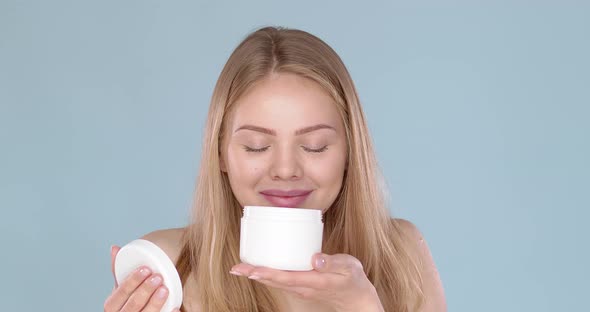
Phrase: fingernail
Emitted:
{"points": [[145, 272], [235, 273], [161, 293], [156, 280], [320, 262], [254, 277]]}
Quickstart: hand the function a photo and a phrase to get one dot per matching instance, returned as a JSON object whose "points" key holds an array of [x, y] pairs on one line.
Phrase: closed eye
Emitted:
{"points": [[255, 150], [307, 149], [319, 150]]}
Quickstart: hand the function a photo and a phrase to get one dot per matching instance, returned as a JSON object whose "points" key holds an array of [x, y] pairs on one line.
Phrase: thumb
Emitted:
{"points": [[114, 250], [338, 263]]}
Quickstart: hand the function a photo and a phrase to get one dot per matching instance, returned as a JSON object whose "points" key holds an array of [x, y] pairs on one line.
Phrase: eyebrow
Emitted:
{"points": [[274, 133]]}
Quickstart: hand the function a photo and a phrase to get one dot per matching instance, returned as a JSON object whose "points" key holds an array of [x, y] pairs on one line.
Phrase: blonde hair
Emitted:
{"points": [[357, 223]]}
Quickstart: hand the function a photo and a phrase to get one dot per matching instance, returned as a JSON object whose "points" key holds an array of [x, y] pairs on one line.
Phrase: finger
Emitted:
{"points": [[280, 277], [120, 295], [242, 269], [142, 295], [157, 300], [308, 279], [339, 264], [114, 250]]}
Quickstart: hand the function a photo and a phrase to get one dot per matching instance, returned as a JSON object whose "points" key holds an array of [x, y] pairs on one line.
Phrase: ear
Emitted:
{"points": [[222, 165], [346, 164]]}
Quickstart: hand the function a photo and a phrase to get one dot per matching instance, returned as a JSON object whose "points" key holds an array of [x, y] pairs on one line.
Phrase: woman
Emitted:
{"points": [[285, 128]]}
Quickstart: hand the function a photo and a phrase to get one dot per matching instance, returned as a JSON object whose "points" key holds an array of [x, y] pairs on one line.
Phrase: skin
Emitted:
{"points": [[316, 160], [286, 160]]}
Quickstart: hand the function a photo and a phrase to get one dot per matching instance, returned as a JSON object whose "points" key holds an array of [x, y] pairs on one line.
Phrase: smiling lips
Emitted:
{"points": [[289, 199]]}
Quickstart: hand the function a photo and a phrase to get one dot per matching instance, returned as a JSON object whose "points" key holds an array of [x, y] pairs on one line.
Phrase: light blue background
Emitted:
{"points": [[479, 114]]}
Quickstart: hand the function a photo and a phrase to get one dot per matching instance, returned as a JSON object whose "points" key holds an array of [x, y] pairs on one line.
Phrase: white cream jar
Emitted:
{"points": [[280, 238]]}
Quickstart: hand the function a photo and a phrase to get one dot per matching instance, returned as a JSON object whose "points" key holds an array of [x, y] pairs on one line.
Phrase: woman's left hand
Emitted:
{"points": [[337, 280]]}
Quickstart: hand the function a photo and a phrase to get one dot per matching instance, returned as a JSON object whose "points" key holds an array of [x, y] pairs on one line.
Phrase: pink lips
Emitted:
{"points": [[290, 199]]}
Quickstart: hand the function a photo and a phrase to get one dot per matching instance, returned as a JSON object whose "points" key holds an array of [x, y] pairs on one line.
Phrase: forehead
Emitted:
{"points": [[285, 102]]}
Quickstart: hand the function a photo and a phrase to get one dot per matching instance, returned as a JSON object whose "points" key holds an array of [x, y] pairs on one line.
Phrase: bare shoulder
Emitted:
{"points": [[416, 239], [410, 229], [432, 285], [170, 240]]}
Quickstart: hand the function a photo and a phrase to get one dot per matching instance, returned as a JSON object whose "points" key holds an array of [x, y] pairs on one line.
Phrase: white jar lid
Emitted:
{"points": [[141, 252]]}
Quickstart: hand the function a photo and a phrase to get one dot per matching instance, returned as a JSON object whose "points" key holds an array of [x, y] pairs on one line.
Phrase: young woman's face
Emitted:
{"points": [[285, 145]]}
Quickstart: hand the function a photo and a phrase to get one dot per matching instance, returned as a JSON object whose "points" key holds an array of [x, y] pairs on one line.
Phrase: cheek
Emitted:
{"points": [[244, 169], [328, 173], [328, 177]]}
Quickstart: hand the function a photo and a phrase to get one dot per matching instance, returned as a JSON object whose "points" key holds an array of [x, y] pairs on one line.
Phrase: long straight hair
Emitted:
{"points": [[357, 223]]}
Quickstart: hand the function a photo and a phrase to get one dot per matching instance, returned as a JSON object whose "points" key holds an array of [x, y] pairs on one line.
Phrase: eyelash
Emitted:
{"points": [[255, 150], [319, 150], [260, 150]]}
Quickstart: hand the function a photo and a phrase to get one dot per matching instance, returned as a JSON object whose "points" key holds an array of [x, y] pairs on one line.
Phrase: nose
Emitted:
{"points": [[285, 165]]}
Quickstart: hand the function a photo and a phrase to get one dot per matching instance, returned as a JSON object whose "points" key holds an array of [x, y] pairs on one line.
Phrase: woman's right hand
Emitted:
{"points": [[141, 291]]}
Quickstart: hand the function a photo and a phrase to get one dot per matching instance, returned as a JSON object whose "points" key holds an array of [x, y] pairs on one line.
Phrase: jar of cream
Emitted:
{"points": [[280, 238]]}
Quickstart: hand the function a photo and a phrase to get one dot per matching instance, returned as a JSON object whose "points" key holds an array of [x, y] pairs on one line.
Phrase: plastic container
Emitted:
{"points": [[280, 238], [141, 252]]}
